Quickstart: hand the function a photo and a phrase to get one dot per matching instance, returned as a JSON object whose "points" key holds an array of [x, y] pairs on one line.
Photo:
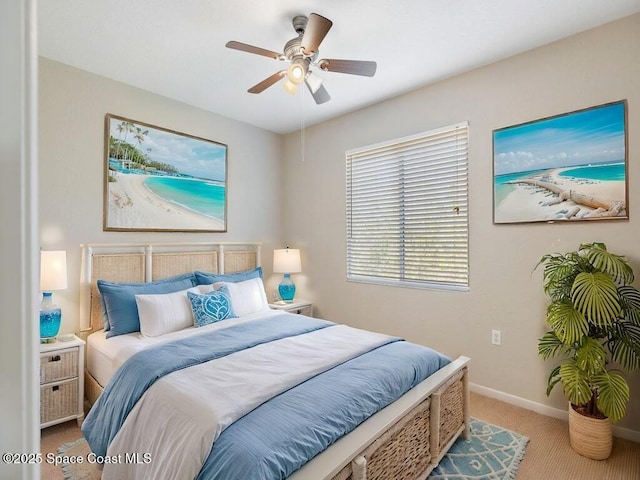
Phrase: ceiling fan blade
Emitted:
{"points": [[314, 33], [243, 47], [267, 82], [353, 67], [321, 95]]}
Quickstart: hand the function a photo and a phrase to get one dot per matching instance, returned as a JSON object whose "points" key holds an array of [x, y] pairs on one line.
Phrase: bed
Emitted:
{"points": [[403, 437]]}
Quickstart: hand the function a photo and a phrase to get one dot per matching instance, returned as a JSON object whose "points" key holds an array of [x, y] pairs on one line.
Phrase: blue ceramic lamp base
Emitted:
{"points": [[50, 317], [287, 289]]}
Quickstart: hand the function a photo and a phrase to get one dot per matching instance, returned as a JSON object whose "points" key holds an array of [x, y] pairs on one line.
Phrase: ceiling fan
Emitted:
{"points": [[302, 54]]}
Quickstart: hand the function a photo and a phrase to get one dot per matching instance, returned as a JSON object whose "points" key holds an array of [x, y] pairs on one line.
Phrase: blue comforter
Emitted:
{"points": [[281, 435]]}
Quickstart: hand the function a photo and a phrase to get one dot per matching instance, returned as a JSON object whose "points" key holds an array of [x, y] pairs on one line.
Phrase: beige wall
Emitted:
{"points": [[589, 69], [72, 108], [596, 67]]}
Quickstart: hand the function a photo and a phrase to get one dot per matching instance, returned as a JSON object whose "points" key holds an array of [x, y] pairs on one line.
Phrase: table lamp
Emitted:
{"points": [[287, 261], [53, 276]]}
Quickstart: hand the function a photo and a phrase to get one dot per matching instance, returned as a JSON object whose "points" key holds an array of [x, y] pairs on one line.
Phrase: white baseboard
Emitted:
{"points": [[619, 432]]}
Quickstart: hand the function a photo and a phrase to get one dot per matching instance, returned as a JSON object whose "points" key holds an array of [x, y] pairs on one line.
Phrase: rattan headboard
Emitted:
{"points": [[137, 262]]}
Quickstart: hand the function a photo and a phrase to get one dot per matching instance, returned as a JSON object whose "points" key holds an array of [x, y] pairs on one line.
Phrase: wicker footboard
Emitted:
{"points": [[413, 447]]}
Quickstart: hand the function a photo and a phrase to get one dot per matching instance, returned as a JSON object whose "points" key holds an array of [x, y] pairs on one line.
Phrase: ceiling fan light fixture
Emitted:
{"points": [[302, 53], [289, 87], [313, 81], [296, 73]]}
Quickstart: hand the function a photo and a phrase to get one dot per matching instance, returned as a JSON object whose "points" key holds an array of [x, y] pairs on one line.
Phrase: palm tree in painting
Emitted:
{"points": [[129, 128], [121, 128], [139, 137]]}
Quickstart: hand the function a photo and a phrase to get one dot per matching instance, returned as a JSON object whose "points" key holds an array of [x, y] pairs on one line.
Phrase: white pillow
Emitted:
{"points": [[246, 297], [166, 312]]}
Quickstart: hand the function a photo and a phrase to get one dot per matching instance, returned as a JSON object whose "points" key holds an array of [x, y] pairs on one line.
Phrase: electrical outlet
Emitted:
{"points": [[496, 337]]}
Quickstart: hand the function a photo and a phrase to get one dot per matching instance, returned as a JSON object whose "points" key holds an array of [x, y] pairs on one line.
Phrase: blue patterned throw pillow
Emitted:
{"points": [[210, 307]]}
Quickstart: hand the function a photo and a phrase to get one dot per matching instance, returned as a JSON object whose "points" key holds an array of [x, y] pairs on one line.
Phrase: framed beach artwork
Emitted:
{"points": [[563, 168], [161, 180]]}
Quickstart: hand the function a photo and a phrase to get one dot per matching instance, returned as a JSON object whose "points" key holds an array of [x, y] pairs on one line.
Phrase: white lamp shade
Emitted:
{"points": [[286, 260], [53, 270]]}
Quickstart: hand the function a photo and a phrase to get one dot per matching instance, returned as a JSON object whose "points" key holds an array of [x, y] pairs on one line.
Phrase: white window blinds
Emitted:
{"points": [[407, 215]]}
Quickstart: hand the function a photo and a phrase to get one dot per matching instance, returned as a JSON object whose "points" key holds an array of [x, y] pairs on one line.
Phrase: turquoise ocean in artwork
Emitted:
{"points": [[201, 196], [611, 172]]}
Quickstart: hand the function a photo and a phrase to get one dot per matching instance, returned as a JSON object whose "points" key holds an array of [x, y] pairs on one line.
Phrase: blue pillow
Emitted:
{"points": [[211, 307], [204, 278], [120, 300], [105, 317]]}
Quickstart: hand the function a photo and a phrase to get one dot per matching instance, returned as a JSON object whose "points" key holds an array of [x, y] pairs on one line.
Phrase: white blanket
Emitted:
{"points": [[106, 355], [176, 421]]}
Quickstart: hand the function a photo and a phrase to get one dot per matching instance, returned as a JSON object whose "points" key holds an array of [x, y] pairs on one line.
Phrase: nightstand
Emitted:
{"points": [[301, 307], [61, 382]]}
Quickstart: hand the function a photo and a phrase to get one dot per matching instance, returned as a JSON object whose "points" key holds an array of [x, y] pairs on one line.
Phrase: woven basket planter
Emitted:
{"points": [[590, 437]]}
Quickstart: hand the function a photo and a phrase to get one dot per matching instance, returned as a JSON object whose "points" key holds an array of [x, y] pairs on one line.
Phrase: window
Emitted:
{"points": [[407, 215]]}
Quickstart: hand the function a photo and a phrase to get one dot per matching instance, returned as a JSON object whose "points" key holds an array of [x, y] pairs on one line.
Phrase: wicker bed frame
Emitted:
{"points": [[405, 440]]}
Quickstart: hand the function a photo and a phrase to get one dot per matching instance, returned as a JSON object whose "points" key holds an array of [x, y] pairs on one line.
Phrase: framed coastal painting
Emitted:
{"points": [[564, 168], [161, 180]]}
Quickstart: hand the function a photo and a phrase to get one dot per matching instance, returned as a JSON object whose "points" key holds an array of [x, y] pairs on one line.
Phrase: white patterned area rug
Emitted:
{"points": [[491, 453], [74, 470]]}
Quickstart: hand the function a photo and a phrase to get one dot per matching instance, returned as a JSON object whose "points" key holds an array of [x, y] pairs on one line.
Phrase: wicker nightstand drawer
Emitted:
{"points": [[59, 400], [61, 381], [58, 365]]}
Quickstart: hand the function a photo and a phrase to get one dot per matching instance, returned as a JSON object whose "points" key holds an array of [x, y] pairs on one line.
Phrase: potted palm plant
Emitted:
{"points": [[594, 322]]}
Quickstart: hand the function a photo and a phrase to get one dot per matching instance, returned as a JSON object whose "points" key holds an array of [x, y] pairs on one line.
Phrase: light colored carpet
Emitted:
{"points": [[549, 455], [50, 439]]}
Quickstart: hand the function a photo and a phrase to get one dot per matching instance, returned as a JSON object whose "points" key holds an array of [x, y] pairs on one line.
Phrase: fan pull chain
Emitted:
{"points": [[302, 133]]}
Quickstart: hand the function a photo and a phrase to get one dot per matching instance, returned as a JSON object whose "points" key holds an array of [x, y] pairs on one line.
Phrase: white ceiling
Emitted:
{"points": [[176, 48]]}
